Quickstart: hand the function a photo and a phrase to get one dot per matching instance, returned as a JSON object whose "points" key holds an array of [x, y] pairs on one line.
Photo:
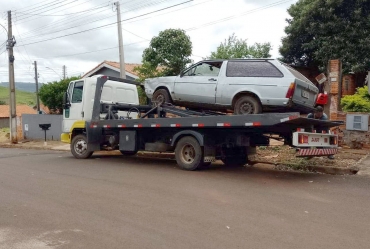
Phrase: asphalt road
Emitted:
{"points": [[50, 200]]}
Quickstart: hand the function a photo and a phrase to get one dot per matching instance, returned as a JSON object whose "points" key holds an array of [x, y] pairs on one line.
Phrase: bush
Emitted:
{"points": [[359, 102]]}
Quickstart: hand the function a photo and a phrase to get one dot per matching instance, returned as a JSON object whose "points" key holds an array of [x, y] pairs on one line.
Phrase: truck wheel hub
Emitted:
{"points": [[188, 153], [80, 146]]}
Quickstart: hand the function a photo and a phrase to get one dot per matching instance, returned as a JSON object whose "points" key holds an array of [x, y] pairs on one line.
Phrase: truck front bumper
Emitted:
{"points": [[65, 138]]}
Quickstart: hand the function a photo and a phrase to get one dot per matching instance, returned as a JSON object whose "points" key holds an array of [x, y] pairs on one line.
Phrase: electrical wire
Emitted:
{"points": [[106, 25], [28, 7], [48, 9], [241, 14], [86, 22]]}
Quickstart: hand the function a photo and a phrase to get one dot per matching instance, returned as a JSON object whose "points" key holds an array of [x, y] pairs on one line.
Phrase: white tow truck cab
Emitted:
{"points": [[79, 101]]}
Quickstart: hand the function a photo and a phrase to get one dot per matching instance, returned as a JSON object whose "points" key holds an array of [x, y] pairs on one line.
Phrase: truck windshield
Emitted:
{"points": [[77, 92]]}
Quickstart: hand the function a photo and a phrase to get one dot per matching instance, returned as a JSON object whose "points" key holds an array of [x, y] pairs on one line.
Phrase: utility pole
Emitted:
{"points": [[64, 72], [120, 43], [37, 89], [12, 103]]}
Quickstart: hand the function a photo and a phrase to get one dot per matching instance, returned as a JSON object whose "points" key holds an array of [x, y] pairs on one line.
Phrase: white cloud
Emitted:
{"points": [[257, 21]]}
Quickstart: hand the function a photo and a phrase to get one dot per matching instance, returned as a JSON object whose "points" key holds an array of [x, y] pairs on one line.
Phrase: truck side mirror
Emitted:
{"points": [[66, 103]]}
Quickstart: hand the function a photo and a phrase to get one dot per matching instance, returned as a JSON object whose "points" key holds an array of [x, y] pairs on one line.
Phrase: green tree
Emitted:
{"points": [[51, 94], [233, 47], [359, 102], [170, 51], [320, 30]]}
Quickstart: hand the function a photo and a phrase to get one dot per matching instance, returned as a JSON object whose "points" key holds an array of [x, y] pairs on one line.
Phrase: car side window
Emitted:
{"points": [[204, 69], [252, 69], [77, 92]]}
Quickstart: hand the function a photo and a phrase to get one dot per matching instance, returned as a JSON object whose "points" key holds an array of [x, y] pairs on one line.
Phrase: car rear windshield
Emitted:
{"points": [[297, 74], [252, 69]]}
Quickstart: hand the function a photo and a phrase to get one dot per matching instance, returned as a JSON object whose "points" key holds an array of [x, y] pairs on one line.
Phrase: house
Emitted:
{"points": [[111, 68], [21, 109]]}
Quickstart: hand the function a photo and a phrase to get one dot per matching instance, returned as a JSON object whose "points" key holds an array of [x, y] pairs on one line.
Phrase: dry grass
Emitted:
{"points": [[284, 157]]}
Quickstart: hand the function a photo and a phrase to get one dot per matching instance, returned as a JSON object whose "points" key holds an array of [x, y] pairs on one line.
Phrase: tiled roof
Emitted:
{"points": [[129, 67], [21, 109]]}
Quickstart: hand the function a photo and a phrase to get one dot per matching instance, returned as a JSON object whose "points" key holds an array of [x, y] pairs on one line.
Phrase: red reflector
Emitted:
{"points": [[200, 125], [227, 124], [302, 139], [334, 140], [257, 124]]}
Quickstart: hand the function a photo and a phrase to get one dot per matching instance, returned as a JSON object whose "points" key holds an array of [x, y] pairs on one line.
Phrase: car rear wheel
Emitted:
{"points": [[161, 96], [247, 105]]}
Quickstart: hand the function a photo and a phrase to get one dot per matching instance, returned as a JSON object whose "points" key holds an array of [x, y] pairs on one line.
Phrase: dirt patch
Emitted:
{"points": [[284, 158]]}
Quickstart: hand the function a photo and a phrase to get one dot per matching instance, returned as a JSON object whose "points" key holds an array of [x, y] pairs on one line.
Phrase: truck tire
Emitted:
{"points": [[189, 154], [128, 153], [247, 105], [79, 147], [161, 96]]}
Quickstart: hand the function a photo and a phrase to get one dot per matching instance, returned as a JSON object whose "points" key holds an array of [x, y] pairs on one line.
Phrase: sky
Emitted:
{"points": [[80, 34]]}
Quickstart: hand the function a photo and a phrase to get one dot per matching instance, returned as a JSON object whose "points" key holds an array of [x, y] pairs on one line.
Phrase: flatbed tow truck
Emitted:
{"points": [[196, 137]]}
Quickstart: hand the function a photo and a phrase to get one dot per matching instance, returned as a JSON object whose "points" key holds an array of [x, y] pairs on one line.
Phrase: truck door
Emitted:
{"points": [[75, 110], [198, 84]]}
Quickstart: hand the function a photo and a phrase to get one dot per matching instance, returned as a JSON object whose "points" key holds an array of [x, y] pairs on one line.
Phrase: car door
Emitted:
{"points": [[75, 111], [198, 84]]}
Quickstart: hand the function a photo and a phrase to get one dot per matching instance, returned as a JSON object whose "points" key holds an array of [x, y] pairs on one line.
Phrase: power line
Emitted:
{"points": [[28, 7], [241, 14], [85, 22], [48, 9], [62, 21], [106, 25], [63, 14]]}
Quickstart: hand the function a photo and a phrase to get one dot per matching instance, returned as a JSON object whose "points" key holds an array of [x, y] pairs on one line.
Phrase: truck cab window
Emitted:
{"points": [[77, 92]]}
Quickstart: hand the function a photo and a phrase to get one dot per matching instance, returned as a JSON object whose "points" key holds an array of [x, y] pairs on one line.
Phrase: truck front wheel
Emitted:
{"points": [[189, 154], [79, 147]]}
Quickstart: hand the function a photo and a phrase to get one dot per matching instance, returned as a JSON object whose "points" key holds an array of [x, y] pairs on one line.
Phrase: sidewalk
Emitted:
{"points": [[346, 162]]}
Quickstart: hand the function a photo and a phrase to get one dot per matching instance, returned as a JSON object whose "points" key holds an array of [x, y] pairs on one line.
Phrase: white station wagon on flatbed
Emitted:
{"points": [[246, 86]]}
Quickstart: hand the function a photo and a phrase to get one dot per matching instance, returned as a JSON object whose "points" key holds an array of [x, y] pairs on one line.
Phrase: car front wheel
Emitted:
{"points": [[161, 96]]}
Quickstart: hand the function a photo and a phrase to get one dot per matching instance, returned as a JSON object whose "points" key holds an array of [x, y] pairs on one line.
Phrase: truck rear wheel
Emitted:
{"points": [[189, 154], [79, 147], [161, 96], [247, 105]]}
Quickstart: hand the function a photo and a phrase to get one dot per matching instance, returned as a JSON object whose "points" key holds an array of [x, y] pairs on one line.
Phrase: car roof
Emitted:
{"points": [[239, 59]]}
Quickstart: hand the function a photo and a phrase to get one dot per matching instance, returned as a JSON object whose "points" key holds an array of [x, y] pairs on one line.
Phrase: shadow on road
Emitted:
{"points": [[216, 169]]}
